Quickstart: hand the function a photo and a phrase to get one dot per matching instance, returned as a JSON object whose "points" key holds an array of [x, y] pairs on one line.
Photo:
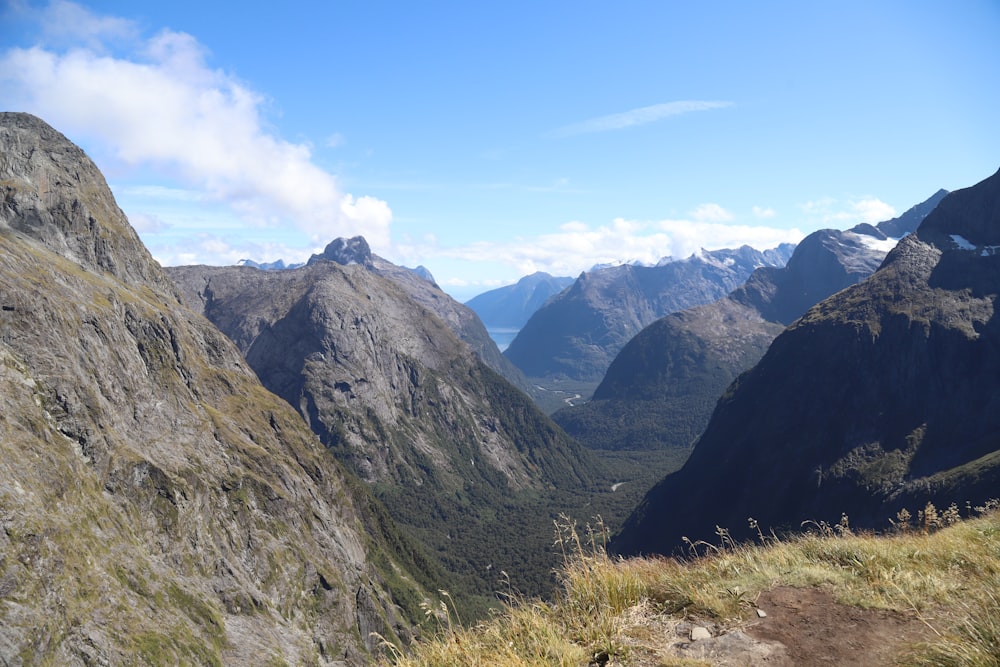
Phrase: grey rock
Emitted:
{"points": [[157, 503]]}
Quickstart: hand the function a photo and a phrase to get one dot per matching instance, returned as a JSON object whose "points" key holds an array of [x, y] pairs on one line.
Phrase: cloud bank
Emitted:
{"points": [[160, 106], [577, 247]]}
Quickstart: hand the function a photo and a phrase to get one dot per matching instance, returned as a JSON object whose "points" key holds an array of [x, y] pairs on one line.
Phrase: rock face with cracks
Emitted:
{"points": [[157, 504]]}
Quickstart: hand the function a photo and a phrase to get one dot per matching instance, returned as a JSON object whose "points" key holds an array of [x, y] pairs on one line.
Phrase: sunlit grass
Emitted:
{"points": [[946, 575]]}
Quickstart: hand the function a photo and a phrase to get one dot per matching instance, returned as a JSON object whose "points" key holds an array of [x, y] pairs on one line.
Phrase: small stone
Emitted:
{"points": [[761, 613], [698, 633]]}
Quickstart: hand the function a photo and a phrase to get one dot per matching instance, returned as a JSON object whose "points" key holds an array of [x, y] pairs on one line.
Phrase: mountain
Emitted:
{"points": [[157, 504], [660, 390], [825, 262], [882, 397], [452, 449], [420, 286], [512, 305], [578, 332]]}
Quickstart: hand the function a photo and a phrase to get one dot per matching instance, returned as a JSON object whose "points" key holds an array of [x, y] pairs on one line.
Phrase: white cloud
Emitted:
{"points": [[68, 23], [763, 212], [147, 223], [215, 250], [874, 210], [831, 212], [163, 107], [576, 247], [640, 116], [711, 213]]}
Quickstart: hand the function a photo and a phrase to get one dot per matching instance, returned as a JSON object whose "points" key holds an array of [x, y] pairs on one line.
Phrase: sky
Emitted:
{"points": [[489, 140]]}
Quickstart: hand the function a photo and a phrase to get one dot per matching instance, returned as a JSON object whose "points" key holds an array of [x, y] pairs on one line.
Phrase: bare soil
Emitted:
{"points": [[802, 627], [817, 630]]}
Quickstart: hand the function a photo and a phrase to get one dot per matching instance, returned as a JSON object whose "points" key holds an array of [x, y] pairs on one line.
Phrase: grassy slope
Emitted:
{"points": [[945, 574]]}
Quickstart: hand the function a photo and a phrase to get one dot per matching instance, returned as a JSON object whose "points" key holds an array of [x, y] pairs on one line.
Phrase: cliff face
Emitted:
{"points": [[883, 396], [157, 504]]}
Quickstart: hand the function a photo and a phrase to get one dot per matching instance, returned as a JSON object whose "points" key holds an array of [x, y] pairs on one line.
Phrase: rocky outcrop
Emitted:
{"points": [[157, 504], [881, 397]]}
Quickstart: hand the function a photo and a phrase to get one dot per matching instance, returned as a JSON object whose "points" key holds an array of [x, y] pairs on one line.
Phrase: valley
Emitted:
{"points": [[301, 464]]}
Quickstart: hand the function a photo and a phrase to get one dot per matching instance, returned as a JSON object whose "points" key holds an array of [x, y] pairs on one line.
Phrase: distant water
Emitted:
{"points": [[502, 336]]}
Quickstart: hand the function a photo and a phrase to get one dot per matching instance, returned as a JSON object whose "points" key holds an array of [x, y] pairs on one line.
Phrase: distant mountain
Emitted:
{"points": [[158, 505], [579, 331], [882, 397], [452, 449], [512, 305], [660, 390], [278, 265]]}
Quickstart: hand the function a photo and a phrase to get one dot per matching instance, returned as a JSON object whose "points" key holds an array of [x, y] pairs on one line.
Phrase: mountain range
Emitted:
{"points": [[158, 505], [880, 398], [578, 332], [660, 390]]}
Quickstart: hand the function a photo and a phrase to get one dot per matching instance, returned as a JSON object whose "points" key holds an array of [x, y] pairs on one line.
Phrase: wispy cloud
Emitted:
{"points": [[160, 106], [763, 212], [640, 116], [712, 213]]}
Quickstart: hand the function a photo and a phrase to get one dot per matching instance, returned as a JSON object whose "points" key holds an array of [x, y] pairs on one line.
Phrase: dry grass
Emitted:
{"points": [[948, 575]]}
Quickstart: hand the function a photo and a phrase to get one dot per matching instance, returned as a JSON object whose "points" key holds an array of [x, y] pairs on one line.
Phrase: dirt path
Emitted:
{"points": [[802, 627], [816, 630]]}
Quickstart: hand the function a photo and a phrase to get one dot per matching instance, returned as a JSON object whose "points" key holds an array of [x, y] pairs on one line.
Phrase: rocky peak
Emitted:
{"points": [[354, 250], [967, 219], [53, 193]]}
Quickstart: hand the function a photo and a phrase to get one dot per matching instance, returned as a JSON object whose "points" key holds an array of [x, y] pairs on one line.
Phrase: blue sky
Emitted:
{"points": [[490, 140]]}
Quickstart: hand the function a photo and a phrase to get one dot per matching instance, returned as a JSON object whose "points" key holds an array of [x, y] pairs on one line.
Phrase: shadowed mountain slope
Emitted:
{"points": [[158, 505], [881, 397]]}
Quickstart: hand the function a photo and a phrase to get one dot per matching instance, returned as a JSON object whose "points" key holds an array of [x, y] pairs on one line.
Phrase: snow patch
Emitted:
{"points": [[882, 245], [962, 242]]}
